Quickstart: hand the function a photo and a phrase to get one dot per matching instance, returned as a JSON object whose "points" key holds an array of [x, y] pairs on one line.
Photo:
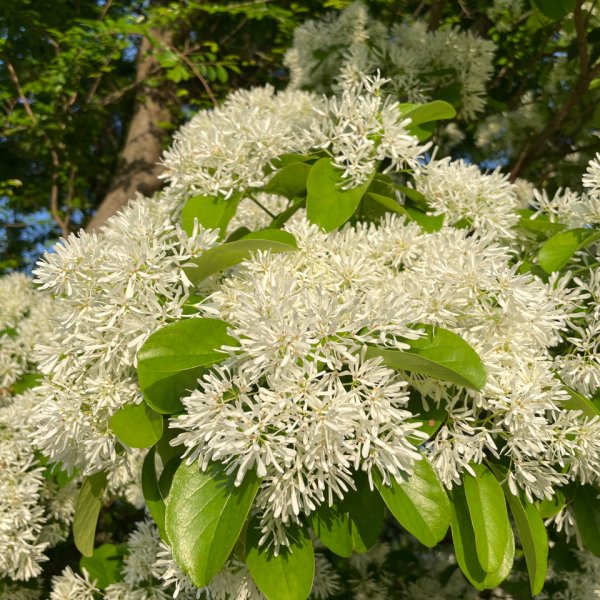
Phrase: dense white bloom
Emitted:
{"points": [[34, 512], [24, 321], [72, 586], [462, 194], [591, 179], [416, 60], [113, 290], [568, 207], [226, 149], [299, 402]]}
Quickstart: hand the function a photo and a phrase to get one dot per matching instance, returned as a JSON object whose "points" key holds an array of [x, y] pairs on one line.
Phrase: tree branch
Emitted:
{"points": [[195, 70], [54, 190]]}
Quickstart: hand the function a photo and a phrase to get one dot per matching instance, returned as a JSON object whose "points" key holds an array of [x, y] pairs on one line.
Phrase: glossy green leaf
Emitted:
{"points": [[150, 489], [212, 212], [440, 354], [219, 258], [282, 218], [554, 9], [429, 223], [162, 391], [274, 235], [172, 359], [104, 565], [333, 527], [290, 181], [489, 517], [533, 537], [327, 204], [425, 113], [366, 511], [205, 513], [287, 576], [560, 248], [465, 547], [137, 425], [389, 204], [89, 503], [541, 225], [578, 401], [586, 506], [419, 504]]}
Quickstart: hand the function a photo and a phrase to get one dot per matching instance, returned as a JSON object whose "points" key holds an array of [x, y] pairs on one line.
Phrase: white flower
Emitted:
{"points": [[461, 193], [112, 291], [71, 586], [591, 179]]}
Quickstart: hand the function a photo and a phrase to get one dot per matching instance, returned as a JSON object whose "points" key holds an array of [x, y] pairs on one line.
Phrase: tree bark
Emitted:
{"points": [[137, 167]]}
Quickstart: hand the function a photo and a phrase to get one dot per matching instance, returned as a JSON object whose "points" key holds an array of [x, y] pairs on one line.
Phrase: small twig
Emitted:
{"points": [[22, 98], [196, 72], [105, 8], [581, 39], [251, 196]]}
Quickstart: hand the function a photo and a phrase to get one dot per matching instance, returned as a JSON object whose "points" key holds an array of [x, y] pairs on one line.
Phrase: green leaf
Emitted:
{"points": [[560, 248], [333, 527], [541, 225], [150, 489], [287, 576], [586, 506], [578, 401], [533, 537], [275, 235], [465, 548], [487, 509], [463, 538], [425, 113], [184, 346], [366, 510], [431, 419], [212, 212], [440, 354], [104, 565], [281, 219], [554, 9], [25, 382], [290, 181], [137, 425], [89, 503], [428, 223], [550, 508], [327, 204], [205, 514], [162, 391], [419, 504], [389, 204], [227, 255]]}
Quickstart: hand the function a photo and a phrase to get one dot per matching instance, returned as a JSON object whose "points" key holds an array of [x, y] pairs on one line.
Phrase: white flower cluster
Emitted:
{"points": [[463, 195], [113, 290], [24, 319], [229, 149], [34, 512], [363, 127], [417, 61], [299, 401], [225, 150], [579, 364]]}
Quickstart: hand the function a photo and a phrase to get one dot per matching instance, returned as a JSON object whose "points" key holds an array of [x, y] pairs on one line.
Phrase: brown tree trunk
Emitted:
{"points": [[137, 166]]}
